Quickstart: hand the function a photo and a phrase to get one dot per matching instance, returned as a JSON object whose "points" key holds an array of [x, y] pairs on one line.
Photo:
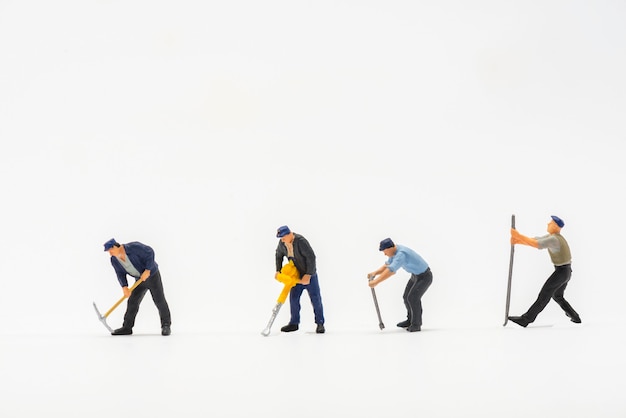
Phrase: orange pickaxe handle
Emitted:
{"points": [[137, 283]]}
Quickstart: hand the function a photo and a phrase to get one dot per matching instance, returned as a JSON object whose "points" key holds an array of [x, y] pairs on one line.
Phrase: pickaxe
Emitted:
{"points": [[103, 318]]}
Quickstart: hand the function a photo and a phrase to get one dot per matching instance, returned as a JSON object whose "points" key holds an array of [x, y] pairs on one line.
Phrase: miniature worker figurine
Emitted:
{"points": [[137, 260], [420, 280], [555, 286], [296, 248]]}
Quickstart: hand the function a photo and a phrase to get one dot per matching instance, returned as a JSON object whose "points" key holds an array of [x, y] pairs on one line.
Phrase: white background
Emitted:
{"points": [[200, 127]]}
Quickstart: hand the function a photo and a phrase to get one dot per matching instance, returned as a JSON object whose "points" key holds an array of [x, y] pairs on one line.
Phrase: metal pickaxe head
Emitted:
{"points": [[102, 318]]}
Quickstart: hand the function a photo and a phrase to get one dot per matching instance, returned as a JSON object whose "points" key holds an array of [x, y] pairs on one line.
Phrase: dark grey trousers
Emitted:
{"points": [[155, 286], [553, 288], [415, 289]]}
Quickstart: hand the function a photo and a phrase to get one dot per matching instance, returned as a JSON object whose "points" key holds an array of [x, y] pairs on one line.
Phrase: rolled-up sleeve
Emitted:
{"points": [[549, 241], [396, 262]]}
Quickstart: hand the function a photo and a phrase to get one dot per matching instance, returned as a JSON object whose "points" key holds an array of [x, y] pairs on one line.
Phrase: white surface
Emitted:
{"points": [[199, 128], [562, 371]]}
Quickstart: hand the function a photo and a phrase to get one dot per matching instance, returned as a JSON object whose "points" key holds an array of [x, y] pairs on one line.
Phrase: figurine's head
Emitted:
{"points": [[285, 234], [387, 247], [555, 225], [112, 246]]}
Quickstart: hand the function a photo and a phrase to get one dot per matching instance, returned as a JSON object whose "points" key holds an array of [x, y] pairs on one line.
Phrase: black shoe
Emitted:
{"points": [[166, 330], [519, 320], [574, 318], [289, 328], [122, 331], [320, 329], [403, 324], [414, 328]]}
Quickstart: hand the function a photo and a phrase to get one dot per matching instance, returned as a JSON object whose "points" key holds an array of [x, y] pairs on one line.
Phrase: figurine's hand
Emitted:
{"points": [[126, 291], [515, 236]]}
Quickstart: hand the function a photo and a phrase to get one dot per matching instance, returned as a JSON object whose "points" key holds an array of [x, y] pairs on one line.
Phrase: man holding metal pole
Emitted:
{"points": [[555, 285], [400, 256]]}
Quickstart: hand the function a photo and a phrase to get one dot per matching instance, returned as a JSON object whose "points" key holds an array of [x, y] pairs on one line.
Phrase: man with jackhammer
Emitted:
{"points": [[297, 249]]}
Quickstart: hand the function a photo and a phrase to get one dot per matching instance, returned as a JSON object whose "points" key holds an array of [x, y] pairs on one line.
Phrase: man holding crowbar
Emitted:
{"points": [[400, 256]]}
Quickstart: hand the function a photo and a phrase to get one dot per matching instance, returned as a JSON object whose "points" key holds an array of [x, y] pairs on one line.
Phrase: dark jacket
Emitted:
{"points": [[140, 255], [303, 255]]}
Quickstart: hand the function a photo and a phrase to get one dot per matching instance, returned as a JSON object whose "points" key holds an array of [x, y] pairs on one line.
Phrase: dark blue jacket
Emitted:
{"points": [[140, 255]]}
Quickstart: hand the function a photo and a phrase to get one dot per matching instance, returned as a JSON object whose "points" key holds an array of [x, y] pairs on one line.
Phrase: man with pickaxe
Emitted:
{"points": [[137, 260]]}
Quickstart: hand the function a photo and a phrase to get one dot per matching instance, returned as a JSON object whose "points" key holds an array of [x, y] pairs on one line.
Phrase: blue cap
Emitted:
{"points": [[282, 231], [386, 243], [109, 244], [558, 221]]}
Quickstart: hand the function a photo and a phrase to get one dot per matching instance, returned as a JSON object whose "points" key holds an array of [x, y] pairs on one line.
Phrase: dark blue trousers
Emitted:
{"points": [[313, 288]]}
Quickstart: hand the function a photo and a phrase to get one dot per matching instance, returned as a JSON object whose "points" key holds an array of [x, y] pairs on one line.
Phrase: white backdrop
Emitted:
{"points": [[200, 127]]}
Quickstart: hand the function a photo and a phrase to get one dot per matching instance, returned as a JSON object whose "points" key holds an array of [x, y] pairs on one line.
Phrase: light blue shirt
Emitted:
{"points": [[407, 259]]}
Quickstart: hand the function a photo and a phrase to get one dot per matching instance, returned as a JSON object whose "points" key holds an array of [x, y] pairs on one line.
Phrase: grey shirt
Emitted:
{"points": [[128, 266], [557, 247]]}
